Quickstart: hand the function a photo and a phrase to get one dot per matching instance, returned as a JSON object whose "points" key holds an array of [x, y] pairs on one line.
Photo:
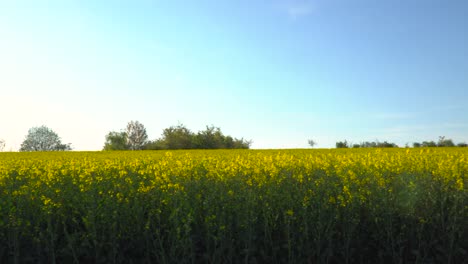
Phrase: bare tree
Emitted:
{"points": [[136, 135], [2, 145]]}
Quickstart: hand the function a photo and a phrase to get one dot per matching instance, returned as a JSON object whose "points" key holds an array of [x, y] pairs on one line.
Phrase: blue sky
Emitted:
{"points": [[277, 72]]}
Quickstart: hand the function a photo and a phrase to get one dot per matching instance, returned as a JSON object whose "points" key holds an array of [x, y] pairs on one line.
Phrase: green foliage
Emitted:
{"points": [[428, 144], [157, 144], [311, 143], [442, 142], [133, 138], [177, 137], [180, 137], [174, 137], [342, 144], [445, 142], [378, 144], [116, 141], [366, 144], [210, 138], [43, 139]]}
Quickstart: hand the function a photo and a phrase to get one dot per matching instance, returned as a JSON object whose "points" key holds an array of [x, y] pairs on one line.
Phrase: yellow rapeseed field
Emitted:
{"points": [[230, 206]]}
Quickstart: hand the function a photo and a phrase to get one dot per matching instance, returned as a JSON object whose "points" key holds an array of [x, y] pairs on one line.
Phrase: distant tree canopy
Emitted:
{"points": [[311, 143], [180, 137], [43, 139], [134, 137], [116, 141], [442, 142], [445, 142], [342, 144], [174, 137], [426, 144], [366, 144]]}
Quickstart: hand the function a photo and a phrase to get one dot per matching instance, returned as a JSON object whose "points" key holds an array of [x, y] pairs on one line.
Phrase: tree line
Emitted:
{"points": [[442, 142], [134, 137], [366, 144]]}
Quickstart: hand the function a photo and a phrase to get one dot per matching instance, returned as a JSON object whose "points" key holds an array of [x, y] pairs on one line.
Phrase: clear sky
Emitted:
{"points": [[278, 72]]}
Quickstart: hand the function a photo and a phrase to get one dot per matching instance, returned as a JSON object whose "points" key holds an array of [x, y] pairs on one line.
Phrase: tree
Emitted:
{"points": [[462, 145], [368, 144], [445, 142], [154, 145], [2, 144], [136, 135], [428, 144], [43, 139], [311, 143], [342, 144], [239, 143], [177, 137], [210, 138], [386, 144], [180, 137], [213, 138], [116, 141]]}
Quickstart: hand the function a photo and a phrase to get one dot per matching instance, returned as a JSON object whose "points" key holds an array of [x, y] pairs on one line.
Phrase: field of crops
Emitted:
{"points": [[236, 206]]}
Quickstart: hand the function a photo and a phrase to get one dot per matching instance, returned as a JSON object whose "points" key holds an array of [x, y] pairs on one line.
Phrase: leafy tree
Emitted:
{"points": [[442, 142], [180, 137], [342, 144], [240, 144], [375, 144], [210, 138], [368, 144], [177, 137], [386, 144], [213, 138], [154, 145], [462, 145], [116, 141], [445, 142], [311, 143], [43, 139], [229, 142], [136, 135], [428, 144]]}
